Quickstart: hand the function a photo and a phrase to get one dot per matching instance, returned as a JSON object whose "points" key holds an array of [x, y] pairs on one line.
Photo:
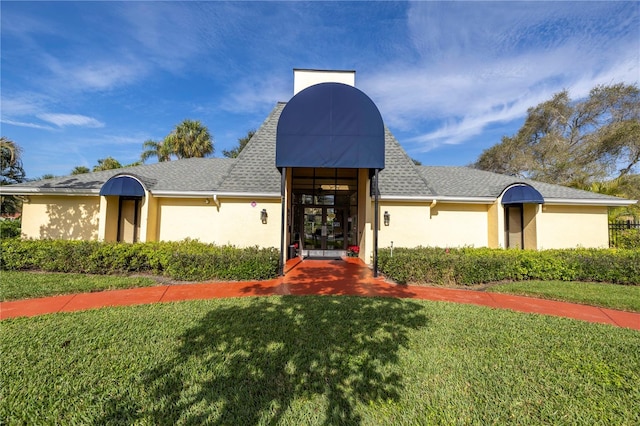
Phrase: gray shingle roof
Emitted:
{"points": [[192, 174], [400, 176], [254, 171], [467, 182]]}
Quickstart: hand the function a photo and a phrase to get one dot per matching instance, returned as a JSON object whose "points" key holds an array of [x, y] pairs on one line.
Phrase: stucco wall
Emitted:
{"points": [[408, 225], [235, 222], [62, 217], [572, 226], [444, 225], [458, 225]]}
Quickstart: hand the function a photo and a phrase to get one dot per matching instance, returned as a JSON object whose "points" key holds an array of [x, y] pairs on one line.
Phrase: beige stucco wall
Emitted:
{"points": [[234, 222], [493, 225], [457, 225], [408, 224], [572, 226], [61, 217]]}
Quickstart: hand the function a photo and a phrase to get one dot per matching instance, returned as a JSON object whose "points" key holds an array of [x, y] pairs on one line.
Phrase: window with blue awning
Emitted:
{"points": [[123, 186], [522, 194]]}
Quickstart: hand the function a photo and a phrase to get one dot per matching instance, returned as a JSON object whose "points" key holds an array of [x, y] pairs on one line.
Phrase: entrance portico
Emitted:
{"points": [[330, 146]]}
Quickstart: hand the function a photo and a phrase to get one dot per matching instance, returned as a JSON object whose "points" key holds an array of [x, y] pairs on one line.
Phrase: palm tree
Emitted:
{"points": [[160, 150], [79, 170], [108, 163], [190, 139]]}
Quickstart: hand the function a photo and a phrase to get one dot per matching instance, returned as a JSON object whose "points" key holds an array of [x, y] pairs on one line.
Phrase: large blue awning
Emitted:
{"points": [[522, 194], [123, 186], [330, 125]]}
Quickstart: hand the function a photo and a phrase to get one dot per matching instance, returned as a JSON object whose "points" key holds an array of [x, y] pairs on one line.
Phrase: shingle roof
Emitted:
{"points": [[400, 176], [254, 171], [192, 174], [467, 182]]}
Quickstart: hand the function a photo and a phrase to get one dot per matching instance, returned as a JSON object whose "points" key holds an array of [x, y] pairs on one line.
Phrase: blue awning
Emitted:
{"points": [[522, 194], [123, 186], [330, 125]]}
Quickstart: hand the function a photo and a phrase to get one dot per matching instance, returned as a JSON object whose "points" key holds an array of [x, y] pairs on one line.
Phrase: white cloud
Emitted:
{"points": [[103, 74], [25, 124], [64, 120], [477, 74]]}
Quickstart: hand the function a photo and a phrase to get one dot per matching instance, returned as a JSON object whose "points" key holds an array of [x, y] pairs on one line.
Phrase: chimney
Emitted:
{"points": [[303, 78]]}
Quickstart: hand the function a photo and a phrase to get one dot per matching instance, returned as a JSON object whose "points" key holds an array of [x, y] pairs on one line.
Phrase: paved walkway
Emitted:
{"points": [[323, 277]]}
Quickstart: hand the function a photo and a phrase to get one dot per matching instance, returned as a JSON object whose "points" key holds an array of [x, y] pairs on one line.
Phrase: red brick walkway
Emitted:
{"points": [[323, 277]]}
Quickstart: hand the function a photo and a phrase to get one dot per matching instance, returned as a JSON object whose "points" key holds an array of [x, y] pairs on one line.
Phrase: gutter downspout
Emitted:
{"points": [[216, 201]]}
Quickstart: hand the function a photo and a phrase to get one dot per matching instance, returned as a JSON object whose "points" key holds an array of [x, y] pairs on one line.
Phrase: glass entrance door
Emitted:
{"points": [[324, 211], [323, 228]]}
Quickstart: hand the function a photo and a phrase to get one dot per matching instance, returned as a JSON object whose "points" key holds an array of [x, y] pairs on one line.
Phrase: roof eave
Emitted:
{"points": [[28, 190], [589, 202], [439, 198], [206, 194]]}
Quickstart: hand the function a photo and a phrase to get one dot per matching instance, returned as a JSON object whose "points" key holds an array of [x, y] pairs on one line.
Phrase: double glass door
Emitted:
{"points": [[324, 228]]}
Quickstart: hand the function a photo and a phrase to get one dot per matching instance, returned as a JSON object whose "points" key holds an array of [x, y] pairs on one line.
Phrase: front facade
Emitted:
{"points": [[322, 173]]}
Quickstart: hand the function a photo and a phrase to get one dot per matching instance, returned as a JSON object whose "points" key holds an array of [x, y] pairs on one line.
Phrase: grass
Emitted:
{"points": [[316, 360], [614, 296], [24, 285]]}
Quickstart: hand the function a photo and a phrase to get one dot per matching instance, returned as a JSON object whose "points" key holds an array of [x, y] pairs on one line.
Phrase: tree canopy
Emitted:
{"points": [[574, 143], [188, 139], [11, 172], [242, 142], [108, 163]]}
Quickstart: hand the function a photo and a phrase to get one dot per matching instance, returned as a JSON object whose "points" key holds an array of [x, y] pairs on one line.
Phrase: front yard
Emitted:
{"points": [[316, 360]]}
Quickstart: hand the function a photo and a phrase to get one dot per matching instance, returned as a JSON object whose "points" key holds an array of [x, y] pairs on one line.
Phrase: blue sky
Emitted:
{"points": [[82, 81]]}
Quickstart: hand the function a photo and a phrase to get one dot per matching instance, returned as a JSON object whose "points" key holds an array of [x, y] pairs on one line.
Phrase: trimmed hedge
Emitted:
{"points": [[186, 260], [628, 239], [474, 266]]}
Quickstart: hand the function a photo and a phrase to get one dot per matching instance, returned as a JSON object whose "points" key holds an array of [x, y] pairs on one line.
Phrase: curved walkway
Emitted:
{"points": [[315, 277]]}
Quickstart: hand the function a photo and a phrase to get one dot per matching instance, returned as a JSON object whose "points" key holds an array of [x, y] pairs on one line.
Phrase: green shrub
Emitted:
{"points": [[628, 239], [186, 260], [10, 228], [473, 266]]}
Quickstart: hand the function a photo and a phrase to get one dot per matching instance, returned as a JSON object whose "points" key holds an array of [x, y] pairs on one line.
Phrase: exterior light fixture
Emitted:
{"points": [[263, 216], [387, 218]]}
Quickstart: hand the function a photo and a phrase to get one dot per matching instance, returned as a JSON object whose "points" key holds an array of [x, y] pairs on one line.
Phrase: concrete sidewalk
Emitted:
{"points": [[315, 277]]}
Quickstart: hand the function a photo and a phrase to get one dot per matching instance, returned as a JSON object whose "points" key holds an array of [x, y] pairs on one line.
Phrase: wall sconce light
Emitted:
{"points": [[387, 218], [206, 201], [263, 216]]}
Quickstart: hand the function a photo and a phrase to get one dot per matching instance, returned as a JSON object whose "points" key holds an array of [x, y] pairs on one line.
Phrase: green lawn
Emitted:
{"points": [[24, 285], [614, 296], [316, 360]]}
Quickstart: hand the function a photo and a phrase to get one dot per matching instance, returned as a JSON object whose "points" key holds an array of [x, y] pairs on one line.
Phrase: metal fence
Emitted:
{"points": [[615, 228]]}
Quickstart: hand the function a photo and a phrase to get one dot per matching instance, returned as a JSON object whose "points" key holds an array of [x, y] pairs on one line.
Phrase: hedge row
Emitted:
{"points": [[474, 266], [186, 260]]}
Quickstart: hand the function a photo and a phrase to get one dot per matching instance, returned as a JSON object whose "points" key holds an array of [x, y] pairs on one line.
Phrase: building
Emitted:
{"points": [[323, 173]]}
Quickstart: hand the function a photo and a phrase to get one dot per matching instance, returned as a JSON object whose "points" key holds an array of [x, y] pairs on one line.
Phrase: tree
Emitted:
{"points": [[190, 139], [573, 143], [160, 150], [108, 163], [11, 172], [79, 170], [242, 142]]}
